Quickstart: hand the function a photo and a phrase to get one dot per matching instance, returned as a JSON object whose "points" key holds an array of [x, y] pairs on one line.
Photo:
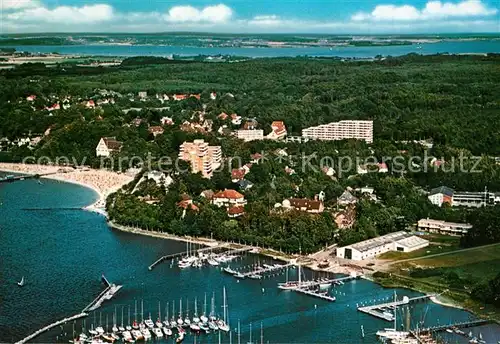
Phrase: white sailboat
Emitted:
{"points": [[392, 334], [21, 283], [222, 323], [204, 318]]}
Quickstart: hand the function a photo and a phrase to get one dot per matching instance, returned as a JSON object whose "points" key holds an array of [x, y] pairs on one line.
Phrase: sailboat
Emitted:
{"points": [[392, 334], [222, 323], [158, 322], [204, 318], [291, 285], [212, 324], [21, 283], [250, 341], [196, 319]]}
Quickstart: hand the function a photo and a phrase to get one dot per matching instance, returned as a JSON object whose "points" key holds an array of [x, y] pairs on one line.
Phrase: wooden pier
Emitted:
{"points": [[51, 326], [339, 280], [375, 310]]}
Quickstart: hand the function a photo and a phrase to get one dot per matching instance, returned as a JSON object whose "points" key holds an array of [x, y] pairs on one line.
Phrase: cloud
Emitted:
{"points": [[432, 10], [64, 14], [209, 14], [17, 4], [266, 20]]}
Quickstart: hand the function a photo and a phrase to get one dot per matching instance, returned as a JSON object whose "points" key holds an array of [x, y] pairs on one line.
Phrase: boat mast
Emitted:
{"points": [[239, 332], [212, 309], [196, 307], [142, 311], [135, 313], [166, 309], [159, 311], [129, 314], [250, 342], [180, 308], [224, 305], [122, 316], [205, 305], [261, 334], [395, 311]]}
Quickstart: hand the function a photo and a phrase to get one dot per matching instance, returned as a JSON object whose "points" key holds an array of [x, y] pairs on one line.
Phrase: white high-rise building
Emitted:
{"points": [[349, 129]]}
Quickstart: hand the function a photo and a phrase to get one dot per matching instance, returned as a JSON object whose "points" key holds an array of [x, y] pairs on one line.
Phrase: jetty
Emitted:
{"points": [[262, 270], [51, 326], [338, 281], [378, 310], [315, 293], [106, 294], [464, 324], [11, 179], [180, 254]]}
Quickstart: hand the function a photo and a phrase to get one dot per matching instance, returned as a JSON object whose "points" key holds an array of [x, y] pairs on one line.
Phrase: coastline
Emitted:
{"points": [[98, 206], [102, 182]]}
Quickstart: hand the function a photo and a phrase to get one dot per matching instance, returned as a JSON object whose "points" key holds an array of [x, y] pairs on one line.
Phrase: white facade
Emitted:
{"points": [[102, 149], [443, 227], [250, 135], [398, 241], [361, 130], [436, 199]]}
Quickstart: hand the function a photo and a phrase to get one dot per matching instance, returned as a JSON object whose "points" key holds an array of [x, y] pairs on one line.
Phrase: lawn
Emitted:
{"points": [[439, 244]]}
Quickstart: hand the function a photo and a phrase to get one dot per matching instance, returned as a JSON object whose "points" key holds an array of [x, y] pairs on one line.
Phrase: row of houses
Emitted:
{"points": [[445, 195], [249, 132]]}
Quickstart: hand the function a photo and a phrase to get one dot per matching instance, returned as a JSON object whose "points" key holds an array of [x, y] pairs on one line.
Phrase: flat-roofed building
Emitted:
{"points": [[443, 227], [349, 129], [398, 241], [250, 134], [203, 158]]}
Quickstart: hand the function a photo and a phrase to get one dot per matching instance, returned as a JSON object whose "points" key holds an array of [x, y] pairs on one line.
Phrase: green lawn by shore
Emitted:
{"points": [[454, 274]]}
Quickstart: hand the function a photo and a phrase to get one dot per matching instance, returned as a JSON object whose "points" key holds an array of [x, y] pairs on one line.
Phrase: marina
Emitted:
{"points": [[122, 257]]}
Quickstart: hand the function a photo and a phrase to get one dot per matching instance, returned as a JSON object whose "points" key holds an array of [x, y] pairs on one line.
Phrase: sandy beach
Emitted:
{"points": [[103, 182]]}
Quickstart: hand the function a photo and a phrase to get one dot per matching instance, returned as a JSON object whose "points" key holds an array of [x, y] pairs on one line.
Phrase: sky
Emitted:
{"points": [[251, 16]]}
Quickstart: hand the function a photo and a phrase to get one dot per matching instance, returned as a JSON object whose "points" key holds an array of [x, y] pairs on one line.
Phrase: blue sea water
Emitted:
{"points": [[452, 47], [62, 254]]}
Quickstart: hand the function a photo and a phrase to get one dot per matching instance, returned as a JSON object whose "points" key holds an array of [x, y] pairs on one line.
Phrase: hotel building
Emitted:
{"points": [[204, 159], [361, 130]]}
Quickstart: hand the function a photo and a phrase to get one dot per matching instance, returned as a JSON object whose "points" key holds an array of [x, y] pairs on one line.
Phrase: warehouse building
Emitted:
{"points": [[398, 241]]}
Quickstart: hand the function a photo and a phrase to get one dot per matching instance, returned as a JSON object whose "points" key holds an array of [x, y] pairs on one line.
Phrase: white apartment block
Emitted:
{"points": [[250, 135], [349, 129]]}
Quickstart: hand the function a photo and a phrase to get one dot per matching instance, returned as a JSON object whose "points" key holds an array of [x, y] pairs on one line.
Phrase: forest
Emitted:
{"points": [[451, 101]]}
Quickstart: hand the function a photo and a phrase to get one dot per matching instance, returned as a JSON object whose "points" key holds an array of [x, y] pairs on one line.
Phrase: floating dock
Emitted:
{"points": [[377, 310]]}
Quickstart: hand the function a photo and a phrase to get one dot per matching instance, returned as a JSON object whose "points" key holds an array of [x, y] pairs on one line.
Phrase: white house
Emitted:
{"points": [[229, 198], [107, 145]]}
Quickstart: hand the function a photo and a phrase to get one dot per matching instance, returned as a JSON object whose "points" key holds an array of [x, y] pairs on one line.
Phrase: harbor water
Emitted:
{"points": [[62, 253], [452, 47]]}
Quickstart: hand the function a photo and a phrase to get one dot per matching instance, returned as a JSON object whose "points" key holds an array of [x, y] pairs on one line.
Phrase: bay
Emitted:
{"points": [[63, 252], [452, 47]]}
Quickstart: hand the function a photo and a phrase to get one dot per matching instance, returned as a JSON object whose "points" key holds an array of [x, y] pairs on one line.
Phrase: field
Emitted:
{"points": [[453, 274]]}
